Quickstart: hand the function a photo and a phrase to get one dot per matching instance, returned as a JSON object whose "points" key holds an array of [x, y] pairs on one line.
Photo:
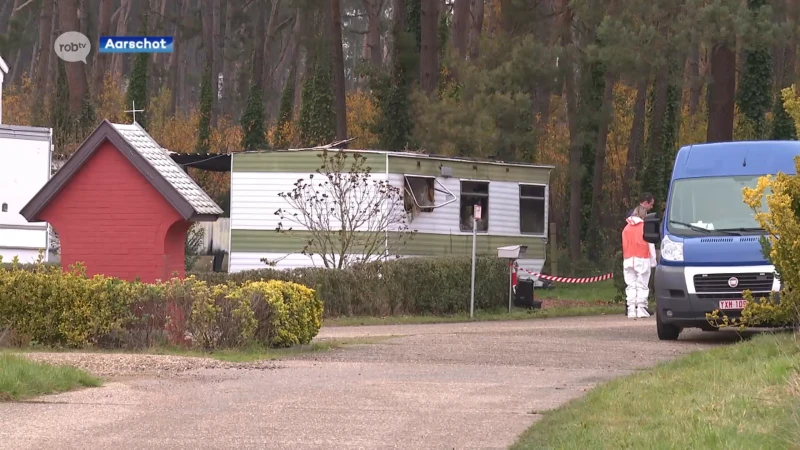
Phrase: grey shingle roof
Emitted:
{"points": [[157, 156]]}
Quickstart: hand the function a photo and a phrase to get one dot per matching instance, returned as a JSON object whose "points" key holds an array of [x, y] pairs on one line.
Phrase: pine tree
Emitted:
{"points": [[317, 119], [591, 106], [253, 133], [285, 113], [392, 91], [206, 103], [137, 86], [783, 126], [754, 96], [658, 169]]}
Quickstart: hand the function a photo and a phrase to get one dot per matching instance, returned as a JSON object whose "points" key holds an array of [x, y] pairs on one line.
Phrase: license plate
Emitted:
{"points": [[732, 304]]}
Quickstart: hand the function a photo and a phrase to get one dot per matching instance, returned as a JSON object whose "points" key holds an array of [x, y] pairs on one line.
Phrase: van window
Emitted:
{"points": [[712, 203]]}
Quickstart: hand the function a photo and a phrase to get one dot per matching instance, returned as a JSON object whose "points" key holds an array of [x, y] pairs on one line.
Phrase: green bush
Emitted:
{"points": [[781, 223], [438, 285], [50, 307]]}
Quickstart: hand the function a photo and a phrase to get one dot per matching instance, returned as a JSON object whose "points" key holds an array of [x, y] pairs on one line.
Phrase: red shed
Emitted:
{"points": [[122, 206]]}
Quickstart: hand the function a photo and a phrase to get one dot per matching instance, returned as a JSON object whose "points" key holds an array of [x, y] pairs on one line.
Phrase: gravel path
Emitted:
{"points": [[469, 385]]}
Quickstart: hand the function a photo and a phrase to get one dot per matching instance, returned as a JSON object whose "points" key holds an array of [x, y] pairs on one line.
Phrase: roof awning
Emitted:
{"points": [[209, 161]]}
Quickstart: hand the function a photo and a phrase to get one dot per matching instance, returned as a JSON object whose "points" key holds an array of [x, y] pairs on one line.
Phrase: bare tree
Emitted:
{"points": [[339, 102], [373, 40], [721, 94], [636, 138], [348, 216], [122, 15], [429, 52], [695, 82], [76, 72], [227, 61], [461, 26], [45, 25], [216, 61], [477, 28], [101, 60]]}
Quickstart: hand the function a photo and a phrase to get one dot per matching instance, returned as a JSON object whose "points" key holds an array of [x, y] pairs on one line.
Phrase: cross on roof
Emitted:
{"points": [[134, 111]]}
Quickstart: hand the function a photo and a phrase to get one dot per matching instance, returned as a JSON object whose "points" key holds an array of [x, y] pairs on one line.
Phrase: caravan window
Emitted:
{"points": [[420, 192], [532, 204], [474, 193]]}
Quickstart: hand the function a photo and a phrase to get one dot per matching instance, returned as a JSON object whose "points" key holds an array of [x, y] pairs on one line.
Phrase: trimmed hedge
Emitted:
{"points": [[47, 306], [438, 286]]}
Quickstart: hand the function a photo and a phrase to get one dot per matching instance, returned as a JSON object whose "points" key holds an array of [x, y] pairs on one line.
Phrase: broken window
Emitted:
{"points": [[474, 193], [420, 194], [532, 204]]}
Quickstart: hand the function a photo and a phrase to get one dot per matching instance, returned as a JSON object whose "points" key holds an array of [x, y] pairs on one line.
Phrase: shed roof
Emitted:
{"points": [[152, 161]]}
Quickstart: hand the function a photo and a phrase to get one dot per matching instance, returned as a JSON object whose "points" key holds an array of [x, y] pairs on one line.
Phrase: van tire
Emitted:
{"points": [[666, 332]]}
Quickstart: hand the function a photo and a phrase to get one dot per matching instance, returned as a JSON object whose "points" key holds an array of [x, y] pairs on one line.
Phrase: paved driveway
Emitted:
{"points": [[476, 385]]}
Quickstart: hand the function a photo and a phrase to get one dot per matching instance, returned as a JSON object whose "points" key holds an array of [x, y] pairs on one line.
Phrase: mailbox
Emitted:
{"points": [[512, 251]]}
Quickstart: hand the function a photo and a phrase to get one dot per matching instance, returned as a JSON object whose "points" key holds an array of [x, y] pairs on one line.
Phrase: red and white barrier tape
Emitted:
{"points": [[572, 280]]}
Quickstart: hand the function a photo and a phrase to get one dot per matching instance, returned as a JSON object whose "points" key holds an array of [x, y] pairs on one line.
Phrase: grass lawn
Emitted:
{"points": [[21, 378], [744, 396], [589, 292], [581, 294]]}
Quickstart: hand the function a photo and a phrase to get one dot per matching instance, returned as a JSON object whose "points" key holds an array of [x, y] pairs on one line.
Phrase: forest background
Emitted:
{"points": [[604, 90]]}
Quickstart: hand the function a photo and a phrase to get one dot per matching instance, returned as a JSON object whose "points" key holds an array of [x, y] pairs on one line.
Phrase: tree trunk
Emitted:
{"points": [[83, 13], [721, 94], [636, 139], [216, 61], [790, 63], [339, 102], [266, 59], [600, 150], [209, 45], [575, 172], [373, 40], [429, 52], [51, 73], [122, 29], [659, 108], [227, 61], [76, 73], [289, 59], [695, 82], [258, 49], [5, 14], [302, 53], [477, 28], [45, 27], [13, 15], [461, 26], [101, 60], [176, 56]]}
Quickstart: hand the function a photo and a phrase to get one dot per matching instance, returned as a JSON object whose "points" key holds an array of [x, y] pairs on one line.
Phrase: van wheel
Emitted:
{"points": [[666, 332]]}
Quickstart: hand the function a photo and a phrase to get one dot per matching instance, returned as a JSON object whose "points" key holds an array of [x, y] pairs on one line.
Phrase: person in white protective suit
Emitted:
{"points": [[639, 257]]}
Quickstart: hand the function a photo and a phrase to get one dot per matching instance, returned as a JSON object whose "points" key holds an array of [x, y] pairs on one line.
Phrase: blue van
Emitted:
{"points": [[709, 238]]}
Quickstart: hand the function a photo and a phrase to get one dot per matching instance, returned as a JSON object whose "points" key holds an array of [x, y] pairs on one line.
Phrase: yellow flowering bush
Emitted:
{"points": [[285, 313], [781, 221], [47, 306]]}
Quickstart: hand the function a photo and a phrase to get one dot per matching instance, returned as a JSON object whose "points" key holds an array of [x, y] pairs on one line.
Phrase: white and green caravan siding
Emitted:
{"points": [[258, 177]]}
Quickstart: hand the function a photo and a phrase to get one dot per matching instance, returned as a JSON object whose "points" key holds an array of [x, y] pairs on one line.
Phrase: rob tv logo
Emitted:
{"points": [[72, 46]]}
